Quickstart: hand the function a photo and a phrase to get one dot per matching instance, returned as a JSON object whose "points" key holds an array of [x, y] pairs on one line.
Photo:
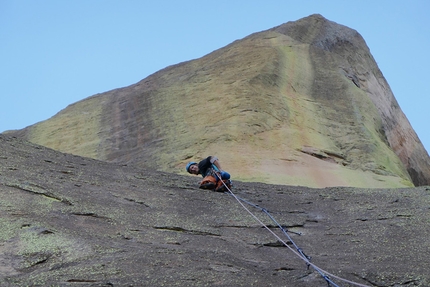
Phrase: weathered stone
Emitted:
{"points": [[68, 221], [256, 103]]}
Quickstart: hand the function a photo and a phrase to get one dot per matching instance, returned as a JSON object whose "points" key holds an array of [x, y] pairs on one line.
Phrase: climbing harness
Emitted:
{"points": [[298, 251]]}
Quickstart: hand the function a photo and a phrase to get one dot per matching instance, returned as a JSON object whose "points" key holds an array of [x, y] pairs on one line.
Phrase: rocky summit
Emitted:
{"points": [[301, 104], [67, 220]]}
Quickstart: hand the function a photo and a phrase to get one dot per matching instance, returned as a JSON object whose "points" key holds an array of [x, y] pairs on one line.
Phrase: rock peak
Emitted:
{"points": [[303, 103], [321, 32]]}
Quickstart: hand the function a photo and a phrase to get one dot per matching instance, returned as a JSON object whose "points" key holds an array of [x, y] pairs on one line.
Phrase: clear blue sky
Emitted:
{"points": [[56, 52]]}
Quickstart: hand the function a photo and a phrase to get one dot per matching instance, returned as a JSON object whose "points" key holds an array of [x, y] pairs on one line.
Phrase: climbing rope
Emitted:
{"points": [[298, 251]]}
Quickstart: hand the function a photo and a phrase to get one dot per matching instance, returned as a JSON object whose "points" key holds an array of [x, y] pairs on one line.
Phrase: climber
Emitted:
{"points": [[211, 171]]}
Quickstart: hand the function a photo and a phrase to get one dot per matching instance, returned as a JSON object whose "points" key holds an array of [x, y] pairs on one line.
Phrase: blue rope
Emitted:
{"points": [[299, 250], [284, 231]]}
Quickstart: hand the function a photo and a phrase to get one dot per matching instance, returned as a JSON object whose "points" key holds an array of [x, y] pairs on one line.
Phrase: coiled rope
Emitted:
{"points": [[298, 251]]}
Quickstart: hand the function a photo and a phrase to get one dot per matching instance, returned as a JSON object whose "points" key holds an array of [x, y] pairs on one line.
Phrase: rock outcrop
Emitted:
{"points": [[73, 221], [303, 103]]}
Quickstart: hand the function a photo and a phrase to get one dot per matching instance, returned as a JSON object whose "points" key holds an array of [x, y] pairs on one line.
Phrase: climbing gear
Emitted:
{"points": [[214, 179], [222, 184], [189, 164], [299, 252], [209, 182]]}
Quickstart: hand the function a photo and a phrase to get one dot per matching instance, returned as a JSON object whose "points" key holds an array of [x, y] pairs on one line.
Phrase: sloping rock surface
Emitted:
{"points": [[73, 221], [303, 103]]}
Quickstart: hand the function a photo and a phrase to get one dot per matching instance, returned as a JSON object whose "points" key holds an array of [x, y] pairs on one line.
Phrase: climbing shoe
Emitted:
{"points": [[207, 185], [221, 185]]}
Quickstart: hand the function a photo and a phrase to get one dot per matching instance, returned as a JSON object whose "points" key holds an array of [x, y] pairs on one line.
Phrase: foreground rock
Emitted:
{"points": [[303, 103], [73, 221]]}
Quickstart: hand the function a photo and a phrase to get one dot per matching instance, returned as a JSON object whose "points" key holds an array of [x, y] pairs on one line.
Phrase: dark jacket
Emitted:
{"points": [[206, 167]]}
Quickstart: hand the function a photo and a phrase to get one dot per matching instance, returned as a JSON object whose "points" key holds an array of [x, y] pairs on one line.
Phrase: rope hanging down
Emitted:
{"points": [[299, 252]]}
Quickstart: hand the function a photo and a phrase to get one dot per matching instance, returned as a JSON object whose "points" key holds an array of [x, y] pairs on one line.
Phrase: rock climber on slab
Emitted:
{"points": [[211, 171]]}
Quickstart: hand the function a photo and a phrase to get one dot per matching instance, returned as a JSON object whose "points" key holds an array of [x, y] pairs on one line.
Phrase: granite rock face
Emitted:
{"points": [[334, 47], [73, 221], [303, 104]]}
